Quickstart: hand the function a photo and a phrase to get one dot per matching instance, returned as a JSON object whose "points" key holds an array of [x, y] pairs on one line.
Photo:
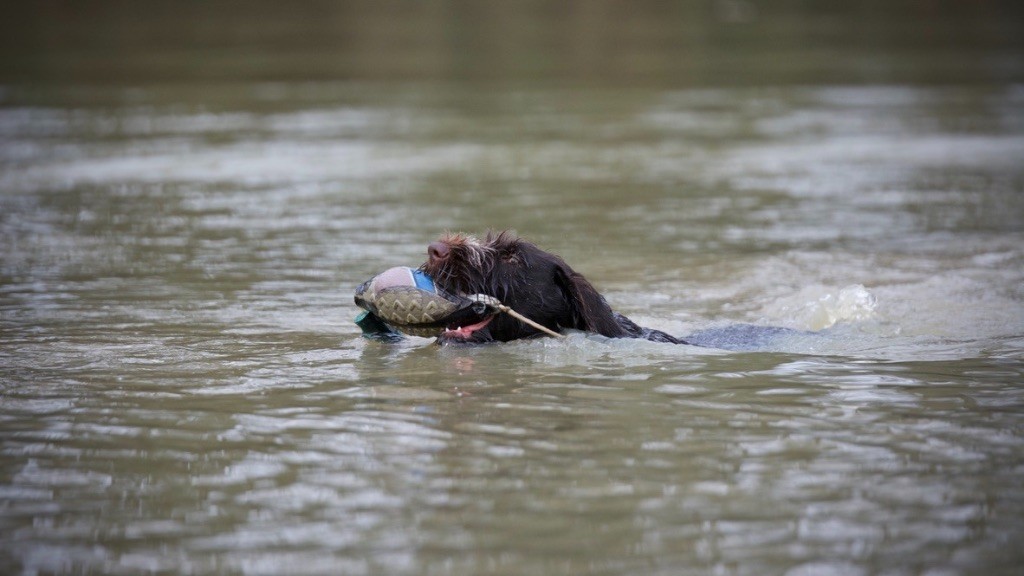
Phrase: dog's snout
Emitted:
{"points": [[437, 251]]}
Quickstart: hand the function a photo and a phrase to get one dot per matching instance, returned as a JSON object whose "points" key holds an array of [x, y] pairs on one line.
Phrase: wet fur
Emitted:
{"points": [[535, 283]]}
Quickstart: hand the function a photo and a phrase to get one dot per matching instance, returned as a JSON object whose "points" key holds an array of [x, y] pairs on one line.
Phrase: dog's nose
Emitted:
{"points": [[437, 251]]}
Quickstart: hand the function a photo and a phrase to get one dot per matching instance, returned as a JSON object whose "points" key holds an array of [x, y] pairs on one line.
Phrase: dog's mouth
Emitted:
{"points": [[456, 332]]}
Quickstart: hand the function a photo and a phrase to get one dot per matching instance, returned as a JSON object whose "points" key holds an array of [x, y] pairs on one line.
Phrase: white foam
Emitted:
{"points": [[817, 308]]}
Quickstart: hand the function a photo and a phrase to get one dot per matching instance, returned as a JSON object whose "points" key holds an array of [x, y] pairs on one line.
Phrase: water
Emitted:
{"points": [[187, 204]]}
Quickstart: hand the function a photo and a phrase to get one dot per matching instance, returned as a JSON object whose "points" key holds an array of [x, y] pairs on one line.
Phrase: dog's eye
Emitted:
{"points": [[511, 257]]}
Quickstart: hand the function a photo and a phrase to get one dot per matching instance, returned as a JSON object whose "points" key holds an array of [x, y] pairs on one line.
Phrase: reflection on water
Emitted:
{"points": [[182, 389]]}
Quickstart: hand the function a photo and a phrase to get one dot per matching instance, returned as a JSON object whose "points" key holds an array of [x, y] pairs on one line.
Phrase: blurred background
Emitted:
{"points": [[587, 43]]}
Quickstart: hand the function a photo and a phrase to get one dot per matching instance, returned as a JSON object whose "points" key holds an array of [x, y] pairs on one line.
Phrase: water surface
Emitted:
{"points": [[182, 389]]}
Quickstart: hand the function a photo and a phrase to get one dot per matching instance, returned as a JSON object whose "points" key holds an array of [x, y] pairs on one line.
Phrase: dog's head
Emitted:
{"points": [[534, 283]]}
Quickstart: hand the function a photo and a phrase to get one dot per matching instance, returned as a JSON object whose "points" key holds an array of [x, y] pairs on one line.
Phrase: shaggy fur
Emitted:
{"points": [[535, 283]]}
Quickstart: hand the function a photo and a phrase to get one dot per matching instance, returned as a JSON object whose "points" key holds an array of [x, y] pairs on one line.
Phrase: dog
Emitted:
{"points": [[537, 284]]}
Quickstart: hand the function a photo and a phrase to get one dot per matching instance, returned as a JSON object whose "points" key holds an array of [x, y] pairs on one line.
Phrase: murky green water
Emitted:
{"points": [[188, 197]]}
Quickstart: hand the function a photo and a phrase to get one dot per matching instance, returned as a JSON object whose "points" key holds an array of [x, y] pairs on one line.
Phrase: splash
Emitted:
{"points": [[853, 303]]}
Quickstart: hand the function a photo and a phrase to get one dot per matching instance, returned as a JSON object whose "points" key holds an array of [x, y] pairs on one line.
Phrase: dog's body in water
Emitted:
{"points": [[542, 287]]}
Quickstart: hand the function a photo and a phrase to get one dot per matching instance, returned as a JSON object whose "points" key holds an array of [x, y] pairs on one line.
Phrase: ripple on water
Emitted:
{"points": [[184, 390]]}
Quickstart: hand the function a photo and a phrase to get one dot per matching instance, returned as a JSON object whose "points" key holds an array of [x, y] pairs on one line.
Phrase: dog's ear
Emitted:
{"points": [[590, 310]]}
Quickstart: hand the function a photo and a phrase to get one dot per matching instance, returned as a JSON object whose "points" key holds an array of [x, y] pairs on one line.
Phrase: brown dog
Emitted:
{"points": [[534, 283]]}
